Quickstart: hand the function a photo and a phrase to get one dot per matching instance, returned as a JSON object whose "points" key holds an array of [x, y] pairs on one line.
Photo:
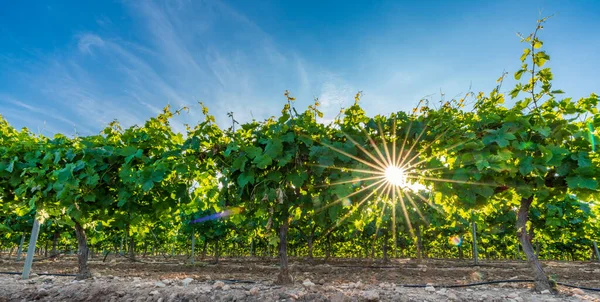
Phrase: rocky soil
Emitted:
{"points": [[112, 288], [252, 280]]}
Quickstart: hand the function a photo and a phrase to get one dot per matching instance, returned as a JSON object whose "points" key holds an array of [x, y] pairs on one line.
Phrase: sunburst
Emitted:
{"points": [[395, 173]]}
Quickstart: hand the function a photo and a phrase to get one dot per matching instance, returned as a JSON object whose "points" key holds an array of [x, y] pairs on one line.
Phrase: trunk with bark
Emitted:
{"points": [[54, 243], [82, 253], [284, 271], [373, 249], [20, 249], [328, 247], [419, 244], [384, 248], [131, 246], [541, 280], [310, 248], [217, 250], [204, 249]]}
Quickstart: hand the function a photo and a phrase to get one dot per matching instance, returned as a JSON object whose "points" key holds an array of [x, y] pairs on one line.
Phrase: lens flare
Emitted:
{"points": [[455, 240], [346, 202], [226, 213]]}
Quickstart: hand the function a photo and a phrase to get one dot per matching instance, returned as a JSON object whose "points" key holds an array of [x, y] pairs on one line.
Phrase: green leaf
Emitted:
{"points": [[544, 131], [519, 73], [90, 197], [230, 148], [11, 166], [480, 162], [56, 157], [137, 154], [583, 160], [274, 148], [288, 137], [515, 92], [239, 163], [92, 180], [526, 52], [286, 158], [540, 58], [252, 151], [526, 165], [245, 178], [558, 154], [148, 185], [297, 179], [579, 182], [65, 173], [75, 214], [263, 161], [529, 145], [499, 137]]}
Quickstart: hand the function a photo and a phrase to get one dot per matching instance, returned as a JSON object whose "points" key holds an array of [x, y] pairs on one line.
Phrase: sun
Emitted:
{"points": [[395, 176]]}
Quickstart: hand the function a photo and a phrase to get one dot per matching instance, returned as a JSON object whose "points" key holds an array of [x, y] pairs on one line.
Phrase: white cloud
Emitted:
{"points": [[85, 42], [184, 52]]}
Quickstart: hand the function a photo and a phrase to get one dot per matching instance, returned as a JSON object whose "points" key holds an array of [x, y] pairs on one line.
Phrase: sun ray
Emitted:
{"points": [[404, 141], [385, 147], [453, 181], [425, 148], [380, 163], [349, 195], [349, 181], [400, 163], [408, 163], [379, 221], [410, 228], [352, 156], [348, 169], [339, 221], [372, 142], [415, 206], [386, 192], [429, 158], [431, 204]]}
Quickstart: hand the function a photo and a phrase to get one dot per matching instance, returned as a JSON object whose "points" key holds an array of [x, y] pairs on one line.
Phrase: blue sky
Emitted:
{"points": [[74, 66]]}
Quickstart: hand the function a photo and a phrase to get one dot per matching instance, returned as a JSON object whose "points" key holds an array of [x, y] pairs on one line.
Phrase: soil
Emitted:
{"points": [[252, 279]]}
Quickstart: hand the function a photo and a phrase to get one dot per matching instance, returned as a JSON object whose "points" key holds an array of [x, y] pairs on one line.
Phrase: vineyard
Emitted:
{"points": [[465, 187]]}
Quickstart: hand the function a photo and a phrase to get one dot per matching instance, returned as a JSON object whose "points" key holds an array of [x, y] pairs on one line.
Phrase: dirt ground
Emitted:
{"points": [[251, 279]]}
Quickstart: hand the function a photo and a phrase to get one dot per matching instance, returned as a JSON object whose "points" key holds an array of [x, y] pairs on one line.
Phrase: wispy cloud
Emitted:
{"points": [[186, 51]]}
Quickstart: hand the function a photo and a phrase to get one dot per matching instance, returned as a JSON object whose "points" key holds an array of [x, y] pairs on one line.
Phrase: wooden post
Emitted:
{"points": [[596, 250], [31, 249], [20, 249], [474, 242], [193, 245]]}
